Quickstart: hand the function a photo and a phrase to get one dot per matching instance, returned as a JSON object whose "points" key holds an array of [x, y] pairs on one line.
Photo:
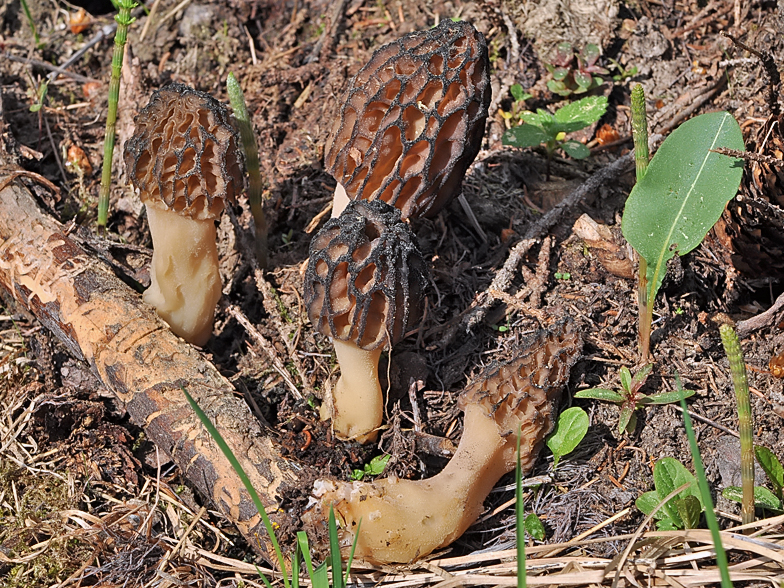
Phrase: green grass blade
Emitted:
{"points": [[350, 561], [245, 481], [334, 551], [707, 501], [522, 580]]}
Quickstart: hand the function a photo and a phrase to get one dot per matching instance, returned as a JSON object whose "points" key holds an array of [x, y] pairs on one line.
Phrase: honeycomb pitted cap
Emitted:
{"points": [[365, 277], [185, 153], [412, 120], [522, 394]]}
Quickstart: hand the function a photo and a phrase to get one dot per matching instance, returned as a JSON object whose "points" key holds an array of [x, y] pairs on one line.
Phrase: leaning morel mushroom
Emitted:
{"points": [[185, 160], [403, 520], [412, 121], [363, 288]]}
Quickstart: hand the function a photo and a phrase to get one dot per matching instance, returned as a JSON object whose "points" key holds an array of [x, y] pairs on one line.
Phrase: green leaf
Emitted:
{"points": [[576, 149], [527, 135], [600, 394], [641, 376], [763, 498], [683, 192], [580, 113], [570, 429], [771, 466], [626, 379], [534, 527], [647, 503], [669, 474], [518, 93], [583, 79], [689, 509], [667, 397], [627, 412], [377, 465]]}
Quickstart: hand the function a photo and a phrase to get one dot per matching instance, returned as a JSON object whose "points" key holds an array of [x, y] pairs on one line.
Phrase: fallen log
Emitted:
{"points": [[105, 323]]}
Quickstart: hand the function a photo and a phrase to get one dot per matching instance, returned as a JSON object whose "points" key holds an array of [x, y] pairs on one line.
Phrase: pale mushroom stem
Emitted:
{"points": [[185, 282], [357, 402], [403, 519], [339, 201]]}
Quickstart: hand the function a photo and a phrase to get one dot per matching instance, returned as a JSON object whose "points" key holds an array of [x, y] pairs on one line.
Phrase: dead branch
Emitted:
{"points": [[105, 323]]}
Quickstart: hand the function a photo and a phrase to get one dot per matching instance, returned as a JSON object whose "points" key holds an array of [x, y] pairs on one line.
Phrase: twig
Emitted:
{"points": [[770, 317], [503, 279], [328, 35], [268, 348], [749, 156], [49, 66]]}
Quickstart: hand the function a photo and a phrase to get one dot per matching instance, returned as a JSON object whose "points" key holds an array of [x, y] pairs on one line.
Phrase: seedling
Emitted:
{"points": [[682, 511], [124, 20], [534, 527], [678, 197], [575, 73], [624, 73], [550, 130], [374, 468], [514, 116], [570, 429], [630, 398]]}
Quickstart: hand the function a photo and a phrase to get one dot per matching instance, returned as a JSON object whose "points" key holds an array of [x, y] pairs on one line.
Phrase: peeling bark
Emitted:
{"points": [[105, 323]]}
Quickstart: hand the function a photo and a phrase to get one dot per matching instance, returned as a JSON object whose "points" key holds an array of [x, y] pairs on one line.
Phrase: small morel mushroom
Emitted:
{"points": [[412, 121], [403, 520], [363, 288], [185, 159]]}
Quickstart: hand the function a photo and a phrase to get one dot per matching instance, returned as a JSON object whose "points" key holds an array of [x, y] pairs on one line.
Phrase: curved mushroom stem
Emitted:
{"points": [[339, 201], [357, 401], [403, 519], [185, 282]]}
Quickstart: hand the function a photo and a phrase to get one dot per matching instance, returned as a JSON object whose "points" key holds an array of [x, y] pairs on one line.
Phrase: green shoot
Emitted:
{"points": [[707, 501], [630, 398], [31, 22], [729, 338], [374, 468], [574, 73], [124, 20], [245, 481], [641, 159], [678, 199], [518, 106], [237, 99], [550, 130], [522, 581], [570, 429]]}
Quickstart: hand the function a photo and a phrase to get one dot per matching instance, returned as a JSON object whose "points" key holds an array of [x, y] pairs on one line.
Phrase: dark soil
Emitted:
{"points": [[292, 82]]}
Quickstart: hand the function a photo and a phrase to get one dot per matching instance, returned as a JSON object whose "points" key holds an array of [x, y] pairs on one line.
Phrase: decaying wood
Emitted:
{"points": [[105, 323]]}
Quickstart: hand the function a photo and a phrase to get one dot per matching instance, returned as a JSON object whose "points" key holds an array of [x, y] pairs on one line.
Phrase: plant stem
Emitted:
{"points": [[124, 19], [237, 100], [641, 158], [522, 581], [729, 338]]}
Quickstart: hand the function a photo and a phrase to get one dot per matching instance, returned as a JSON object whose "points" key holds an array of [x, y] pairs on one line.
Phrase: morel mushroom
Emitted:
{"points": [[403, 520], [185, 160], [412, 121], [363, 288]]}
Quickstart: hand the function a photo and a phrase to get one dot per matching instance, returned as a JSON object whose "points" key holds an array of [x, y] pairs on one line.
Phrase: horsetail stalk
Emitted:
{"points": [[729, 339], [237, 100], [124, 19], [641, 158]]}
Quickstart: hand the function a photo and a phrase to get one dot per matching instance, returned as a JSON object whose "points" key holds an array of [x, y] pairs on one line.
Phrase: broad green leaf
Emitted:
{"points": [[771, 466], [683, 192], [377, 465], [669, 474], [667, 397], [518, 93], [576, 149], [689, 509], [763, 498], [583, 79], [534, 527], [667, 524], [527, 135], [600, 394], [580, 113], [639, 378], [570, 429], [647, 503]]}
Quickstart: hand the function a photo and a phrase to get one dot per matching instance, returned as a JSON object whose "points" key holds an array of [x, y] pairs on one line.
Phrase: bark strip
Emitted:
{"points": [[106, 324]]}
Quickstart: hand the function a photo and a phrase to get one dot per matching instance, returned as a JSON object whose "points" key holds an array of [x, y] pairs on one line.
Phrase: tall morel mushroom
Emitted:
{"points": [[403, 520], [363, 288], [412, 121], [185, 160]]}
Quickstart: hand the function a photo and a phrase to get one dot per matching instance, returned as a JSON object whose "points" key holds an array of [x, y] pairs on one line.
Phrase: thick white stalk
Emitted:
{"points": [[185, 282], [357, 401]]}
